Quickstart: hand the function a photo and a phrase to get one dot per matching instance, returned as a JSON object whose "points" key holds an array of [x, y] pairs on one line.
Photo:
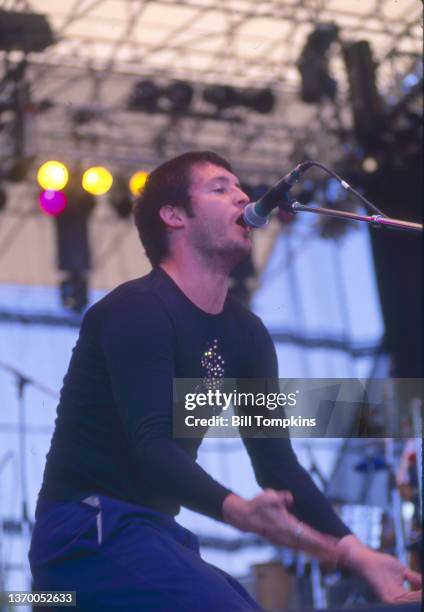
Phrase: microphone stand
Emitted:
{"points": [[8, 455], [294, 207], [377, 220], [22, 382]]}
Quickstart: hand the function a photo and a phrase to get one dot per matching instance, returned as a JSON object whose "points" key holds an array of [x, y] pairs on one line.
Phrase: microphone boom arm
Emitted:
{"points": [[377, 220], [373, 220]]}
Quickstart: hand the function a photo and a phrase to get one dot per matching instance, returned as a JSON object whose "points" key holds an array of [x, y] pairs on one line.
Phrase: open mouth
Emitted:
{"points": [[240, 221]]}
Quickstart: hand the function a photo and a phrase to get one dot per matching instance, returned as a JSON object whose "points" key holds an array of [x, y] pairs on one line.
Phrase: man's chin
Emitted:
{"points": [[232, 253], [240, 251]]}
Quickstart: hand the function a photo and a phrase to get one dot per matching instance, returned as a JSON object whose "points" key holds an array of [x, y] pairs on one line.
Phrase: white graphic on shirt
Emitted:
{"points": [[213, 365]]}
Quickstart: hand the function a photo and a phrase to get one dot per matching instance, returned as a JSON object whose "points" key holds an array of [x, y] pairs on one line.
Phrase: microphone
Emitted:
{"points": [[256, 214]]}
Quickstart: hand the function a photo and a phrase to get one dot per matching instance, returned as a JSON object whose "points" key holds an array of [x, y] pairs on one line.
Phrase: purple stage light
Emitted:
{"points": [[52, 202]]}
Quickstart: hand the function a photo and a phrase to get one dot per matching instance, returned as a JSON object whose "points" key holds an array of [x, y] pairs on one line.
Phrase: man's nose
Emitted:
{"points": [[243, 199]]}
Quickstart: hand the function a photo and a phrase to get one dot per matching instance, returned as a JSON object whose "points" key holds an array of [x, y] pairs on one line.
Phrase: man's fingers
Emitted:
{"points": [[286, 497], [414, 578], [409, 596], [279, 497]]}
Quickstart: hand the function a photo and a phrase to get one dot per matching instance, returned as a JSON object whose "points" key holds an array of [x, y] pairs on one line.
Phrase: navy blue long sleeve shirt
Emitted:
{"points": [[113, 431]]}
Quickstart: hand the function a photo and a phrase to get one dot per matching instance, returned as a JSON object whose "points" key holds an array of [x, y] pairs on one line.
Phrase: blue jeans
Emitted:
{"points": [[120, 556]]}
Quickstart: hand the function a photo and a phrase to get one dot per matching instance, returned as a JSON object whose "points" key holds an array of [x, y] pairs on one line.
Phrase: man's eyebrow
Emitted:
{"points": [[224, 178]]}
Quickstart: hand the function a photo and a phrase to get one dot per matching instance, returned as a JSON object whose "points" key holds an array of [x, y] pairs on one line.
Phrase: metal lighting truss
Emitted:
{"points": [[104, 46]]}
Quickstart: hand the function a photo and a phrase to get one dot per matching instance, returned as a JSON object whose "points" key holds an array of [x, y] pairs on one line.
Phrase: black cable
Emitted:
{"points": [[308, 164]]}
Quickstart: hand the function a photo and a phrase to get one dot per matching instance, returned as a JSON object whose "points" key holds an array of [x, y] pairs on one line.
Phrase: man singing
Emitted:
{"points": [[115, 477]]}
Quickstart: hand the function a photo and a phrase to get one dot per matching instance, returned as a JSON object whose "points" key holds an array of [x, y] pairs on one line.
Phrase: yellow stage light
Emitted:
{"points": [[97, 180], [52, 175], [137, 182]]}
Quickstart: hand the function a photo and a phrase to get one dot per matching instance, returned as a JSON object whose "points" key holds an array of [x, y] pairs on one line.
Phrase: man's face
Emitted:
{"points": [[218, 203]]}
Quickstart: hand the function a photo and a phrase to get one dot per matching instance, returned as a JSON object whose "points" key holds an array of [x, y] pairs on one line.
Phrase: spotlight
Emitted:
{"points": [[52, 175], [313, 65], [148, 97], [52, 202], [321, 39], [97, 180], [144, 96], [179, 96], [221, 96], [137, 182], [259, 100], [369, 165], [24, 31], [225, 96], [367, 105]]}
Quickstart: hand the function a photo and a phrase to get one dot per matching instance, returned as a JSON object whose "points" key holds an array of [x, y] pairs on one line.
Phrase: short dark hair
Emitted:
{"points": [[169, 183]]}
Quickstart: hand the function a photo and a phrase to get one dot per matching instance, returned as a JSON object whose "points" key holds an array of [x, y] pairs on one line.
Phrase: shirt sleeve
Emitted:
{"points": [[275, 463], [137, 340]]}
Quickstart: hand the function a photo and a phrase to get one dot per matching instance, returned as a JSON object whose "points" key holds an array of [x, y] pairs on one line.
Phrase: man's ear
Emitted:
{"points": [[172, 216]]}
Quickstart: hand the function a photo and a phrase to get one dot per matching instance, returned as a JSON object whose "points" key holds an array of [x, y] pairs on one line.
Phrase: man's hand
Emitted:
{"points": [[267, 515], [385, 574]]}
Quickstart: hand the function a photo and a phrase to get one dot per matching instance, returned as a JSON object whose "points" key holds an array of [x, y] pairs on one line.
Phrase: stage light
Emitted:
{"points": [[144, 96], [225, 96], [52, 202], [369, 165], [97, 180], [52, 175], [221, 96], [179, 96], [316, 81], [260, 100], [24, 31], [137, 182], [148, 97], [369, 117]]}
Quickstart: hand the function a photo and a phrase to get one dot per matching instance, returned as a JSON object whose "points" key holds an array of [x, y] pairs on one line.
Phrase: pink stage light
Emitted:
{"points": [[52, 202]]}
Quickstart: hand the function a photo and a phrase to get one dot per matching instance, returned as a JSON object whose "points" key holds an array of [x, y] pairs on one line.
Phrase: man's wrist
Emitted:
{"points": [[234, 511], [351, 552]]}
